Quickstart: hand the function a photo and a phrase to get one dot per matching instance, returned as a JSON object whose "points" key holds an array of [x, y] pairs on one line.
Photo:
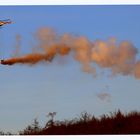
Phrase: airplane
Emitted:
{"points": [[3, 22]]}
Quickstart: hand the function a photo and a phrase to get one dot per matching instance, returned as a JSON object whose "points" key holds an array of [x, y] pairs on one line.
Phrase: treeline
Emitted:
{"points": [[86, 124]]}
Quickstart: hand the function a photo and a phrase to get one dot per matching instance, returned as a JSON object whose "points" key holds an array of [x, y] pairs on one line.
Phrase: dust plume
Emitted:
{"points": [[104, 96], [119, 58]]}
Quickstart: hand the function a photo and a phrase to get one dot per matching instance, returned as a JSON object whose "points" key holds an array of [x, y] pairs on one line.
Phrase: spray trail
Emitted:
{"points": [[35, 58], [118, 58]]}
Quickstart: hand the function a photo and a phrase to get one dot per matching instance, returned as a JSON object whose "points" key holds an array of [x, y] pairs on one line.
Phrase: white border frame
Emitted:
{"points": [[69, 2]]}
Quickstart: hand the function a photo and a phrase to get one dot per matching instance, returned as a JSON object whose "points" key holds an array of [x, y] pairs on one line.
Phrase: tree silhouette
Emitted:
{"points": [[50, 123], [115, 123]]}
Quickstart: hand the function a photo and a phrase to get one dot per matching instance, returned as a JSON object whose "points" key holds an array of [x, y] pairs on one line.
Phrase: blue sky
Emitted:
{"points": [[30, 92]]}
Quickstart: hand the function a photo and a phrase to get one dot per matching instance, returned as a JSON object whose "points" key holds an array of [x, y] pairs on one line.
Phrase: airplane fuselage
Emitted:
{"points": [[3, 22]]}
